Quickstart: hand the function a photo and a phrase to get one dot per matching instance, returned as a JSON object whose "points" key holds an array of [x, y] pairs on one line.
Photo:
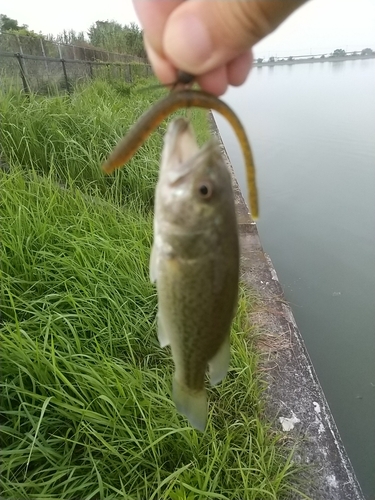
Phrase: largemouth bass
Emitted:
{"points": [[195, 263]]}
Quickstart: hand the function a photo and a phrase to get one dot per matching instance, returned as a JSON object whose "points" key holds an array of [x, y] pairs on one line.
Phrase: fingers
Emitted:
{"points": [[208, 38], [234, 73], [214, 81], [239, 68], [202, 35]]}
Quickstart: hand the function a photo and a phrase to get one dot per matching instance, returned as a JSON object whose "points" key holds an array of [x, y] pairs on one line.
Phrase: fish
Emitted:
{"points": [[195, 264], [174, 101]]}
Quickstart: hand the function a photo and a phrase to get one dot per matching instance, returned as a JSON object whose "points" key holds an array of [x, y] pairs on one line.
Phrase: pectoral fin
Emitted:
{"points": [[153, 264], [162, 332], [219, 364]]}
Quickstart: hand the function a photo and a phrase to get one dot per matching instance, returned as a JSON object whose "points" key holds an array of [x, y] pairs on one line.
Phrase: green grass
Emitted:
{"points": [[68, 137], [86, 410]]}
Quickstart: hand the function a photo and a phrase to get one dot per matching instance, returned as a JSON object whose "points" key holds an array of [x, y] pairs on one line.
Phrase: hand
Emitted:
{"points": [[211, 39]]}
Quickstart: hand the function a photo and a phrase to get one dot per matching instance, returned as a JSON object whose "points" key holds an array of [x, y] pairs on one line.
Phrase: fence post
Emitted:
{"points": [[26, 87], [44, 55], [91, 71], [65, 76], [130, 73], [19, 44]]}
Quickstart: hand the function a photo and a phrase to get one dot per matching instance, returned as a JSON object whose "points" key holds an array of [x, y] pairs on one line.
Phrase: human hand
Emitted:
{"points": [[211, 39]]}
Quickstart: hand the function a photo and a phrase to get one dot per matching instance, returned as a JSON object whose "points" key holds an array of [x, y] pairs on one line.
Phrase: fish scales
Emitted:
{"points": [[195, 263], [195, 316]]}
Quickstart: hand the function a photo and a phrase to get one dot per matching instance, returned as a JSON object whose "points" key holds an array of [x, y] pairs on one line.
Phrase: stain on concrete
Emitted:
{"points": [[294, 398]]}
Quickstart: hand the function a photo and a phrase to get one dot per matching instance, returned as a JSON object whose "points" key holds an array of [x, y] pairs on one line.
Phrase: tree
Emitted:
{"points": [[9, 24], [339, 53], [259, 60], [367, 52], [70, 37], [134, 40], [114, 37]]}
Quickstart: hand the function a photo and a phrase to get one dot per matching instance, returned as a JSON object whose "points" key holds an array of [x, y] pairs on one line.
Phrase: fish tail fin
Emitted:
{"points": [[191, 404]]}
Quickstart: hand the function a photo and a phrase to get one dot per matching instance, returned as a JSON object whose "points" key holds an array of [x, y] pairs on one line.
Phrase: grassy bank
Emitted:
{"points": [[86, 404]]}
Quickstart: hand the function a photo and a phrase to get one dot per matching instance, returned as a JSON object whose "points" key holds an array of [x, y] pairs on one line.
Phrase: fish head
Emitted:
{"points": [[194, 183]]}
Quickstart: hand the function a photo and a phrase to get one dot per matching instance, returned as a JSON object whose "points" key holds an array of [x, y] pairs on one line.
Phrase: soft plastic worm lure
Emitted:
{"points": [[179, 99]]}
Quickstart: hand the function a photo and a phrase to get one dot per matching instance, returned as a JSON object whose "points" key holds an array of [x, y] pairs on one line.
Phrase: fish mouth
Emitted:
{"points": [[181, 154], [180, 141], [177, 127]]}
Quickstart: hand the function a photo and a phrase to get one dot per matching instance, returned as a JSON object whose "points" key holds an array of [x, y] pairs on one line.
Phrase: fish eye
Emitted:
{"points": [[205, 190]]}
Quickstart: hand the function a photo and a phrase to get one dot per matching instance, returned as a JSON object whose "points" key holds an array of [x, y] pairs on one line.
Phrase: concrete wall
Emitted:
{"points": [[295, 400]]}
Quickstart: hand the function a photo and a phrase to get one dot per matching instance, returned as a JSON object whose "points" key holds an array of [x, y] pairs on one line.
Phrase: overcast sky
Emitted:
{"points": [[319, 26]]}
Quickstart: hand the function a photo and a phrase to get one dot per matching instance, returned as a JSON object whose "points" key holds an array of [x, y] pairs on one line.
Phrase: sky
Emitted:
{"points": [[319, 26]]}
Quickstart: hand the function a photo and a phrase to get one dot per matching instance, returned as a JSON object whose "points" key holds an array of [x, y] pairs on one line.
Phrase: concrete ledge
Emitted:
{"points": [[295, 399]]}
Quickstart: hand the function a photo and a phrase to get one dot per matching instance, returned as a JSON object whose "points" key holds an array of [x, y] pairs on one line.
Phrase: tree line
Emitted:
{"points": [[108, 35]]}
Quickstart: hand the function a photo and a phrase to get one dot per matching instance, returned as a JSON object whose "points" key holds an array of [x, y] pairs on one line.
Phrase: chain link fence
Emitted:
{"points": [[35, 65], [38, 46], [48, 75]]}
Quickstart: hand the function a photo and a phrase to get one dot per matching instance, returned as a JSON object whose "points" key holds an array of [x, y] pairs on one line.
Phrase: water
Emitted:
{"points": [[312, 129]]}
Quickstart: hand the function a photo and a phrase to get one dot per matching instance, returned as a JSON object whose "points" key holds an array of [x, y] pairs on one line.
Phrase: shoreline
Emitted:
{"points": [[313, 59]]}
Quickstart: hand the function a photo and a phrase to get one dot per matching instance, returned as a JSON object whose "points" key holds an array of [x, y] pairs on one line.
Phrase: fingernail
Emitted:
{"points": [[187, 43]]}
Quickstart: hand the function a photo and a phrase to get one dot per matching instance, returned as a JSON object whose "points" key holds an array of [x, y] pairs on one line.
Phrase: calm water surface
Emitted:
{"points": [[312, 129]]}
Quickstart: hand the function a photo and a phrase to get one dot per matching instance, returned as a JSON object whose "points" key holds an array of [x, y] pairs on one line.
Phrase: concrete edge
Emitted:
{"points": [[295, 401]]}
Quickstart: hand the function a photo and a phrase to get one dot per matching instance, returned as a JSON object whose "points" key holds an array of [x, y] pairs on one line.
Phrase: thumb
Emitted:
{"points": [[202, 35]]}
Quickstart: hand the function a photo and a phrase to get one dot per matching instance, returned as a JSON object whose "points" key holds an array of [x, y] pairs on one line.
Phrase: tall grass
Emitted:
{"points": [[69, 137], [86, 409]]}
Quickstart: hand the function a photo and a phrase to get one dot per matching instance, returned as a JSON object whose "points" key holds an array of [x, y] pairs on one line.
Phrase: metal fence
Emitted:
{"points": [[38, 46], [50, 75]]}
